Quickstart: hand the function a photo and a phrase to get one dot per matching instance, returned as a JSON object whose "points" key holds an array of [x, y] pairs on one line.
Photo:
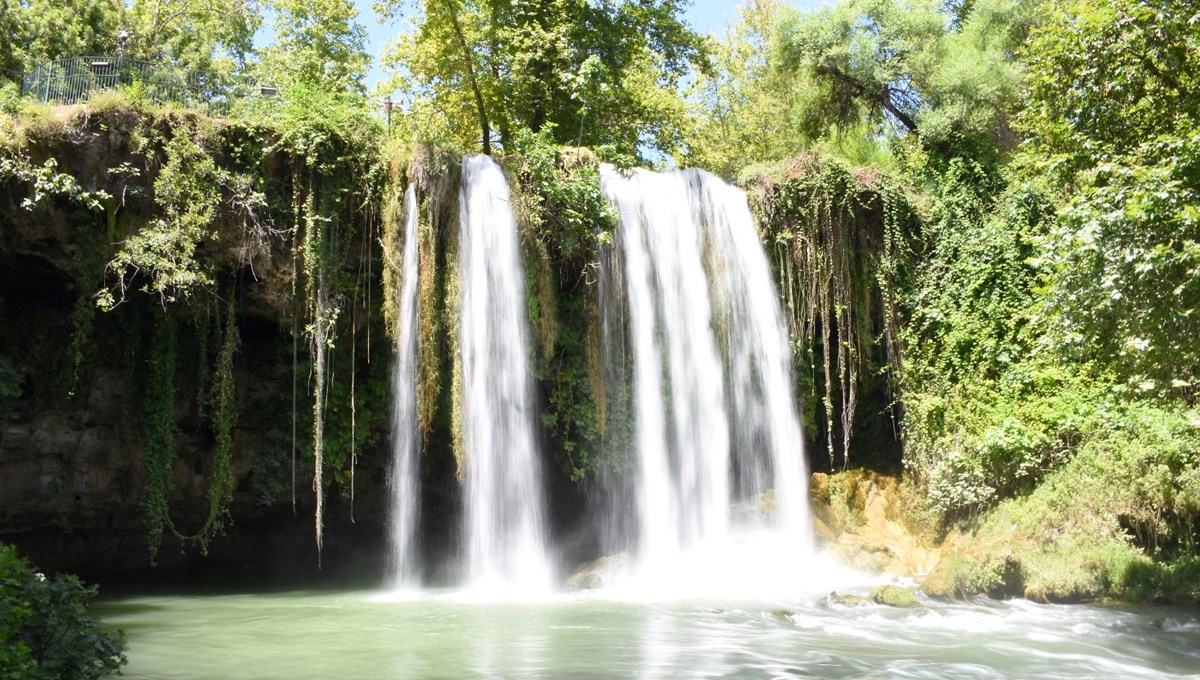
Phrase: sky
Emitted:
{"points": [[706, 16]]}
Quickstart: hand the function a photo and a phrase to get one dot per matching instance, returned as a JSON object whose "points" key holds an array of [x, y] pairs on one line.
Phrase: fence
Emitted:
{"points": [[73, 80]]}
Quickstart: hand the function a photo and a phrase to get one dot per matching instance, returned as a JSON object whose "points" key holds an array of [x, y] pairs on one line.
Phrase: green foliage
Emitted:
{"points": [[190, 190], [319, 44], [158, 457], [10, 97], [1123, 261], [958, 577], [984, 417], [565, 219], [1113, 118], [904, 65], [327, 130], [1119, 519], [1107, 77], [478, 71], [1175, 581], [46, 182], [743, 109], [35, 31], [974, 443], [972, 298], [213, 37], [562, 198], [1048, 378], [45, 632]]}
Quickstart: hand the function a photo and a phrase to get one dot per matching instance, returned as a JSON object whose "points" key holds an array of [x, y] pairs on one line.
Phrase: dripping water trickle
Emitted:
{"points": [[403, 558]]}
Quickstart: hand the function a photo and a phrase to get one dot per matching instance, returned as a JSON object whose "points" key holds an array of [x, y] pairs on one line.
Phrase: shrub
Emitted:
{"points": [[45, 632]]}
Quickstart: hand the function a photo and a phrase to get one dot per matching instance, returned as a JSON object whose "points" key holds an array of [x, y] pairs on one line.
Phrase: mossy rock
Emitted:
{"points": [[818, 488], [1000, 577], [847, 600], [895, 596]]}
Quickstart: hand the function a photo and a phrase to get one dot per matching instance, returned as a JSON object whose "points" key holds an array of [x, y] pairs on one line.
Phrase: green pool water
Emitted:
{"points": [[357, 634]]}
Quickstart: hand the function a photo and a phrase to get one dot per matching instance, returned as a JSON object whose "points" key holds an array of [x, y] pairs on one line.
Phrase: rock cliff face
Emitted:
{"points": [[73, 379], [78, 384]]}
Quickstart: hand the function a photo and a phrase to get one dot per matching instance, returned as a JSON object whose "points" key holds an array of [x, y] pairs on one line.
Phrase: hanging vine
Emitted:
{"points": [[218, 401], [839, 239], [321, 332], [223, 414], [159, 458], [333, 145]]}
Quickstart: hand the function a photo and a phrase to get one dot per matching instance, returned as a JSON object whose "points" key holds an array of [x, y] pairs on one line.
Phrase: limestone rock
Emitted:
{"points": [[599, 573], [860, 518]]}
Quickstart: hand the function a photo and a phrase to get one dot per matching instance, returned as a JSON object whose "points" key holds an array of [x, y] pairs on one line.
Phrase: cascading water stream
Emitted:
{"points": [[505, 524], [764, 409], [403, 565], [682, 441], [717, 433]]}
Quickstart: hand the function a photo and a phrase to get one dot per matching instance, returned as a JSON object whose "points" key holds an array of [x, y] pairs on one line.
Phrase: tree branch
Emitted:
{"points": [[883, 98]]}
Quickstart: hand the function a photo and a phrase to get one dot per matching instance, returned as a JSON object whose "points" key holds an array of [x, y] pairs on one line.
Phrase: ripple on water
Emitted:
{"points": [[301, 636]]}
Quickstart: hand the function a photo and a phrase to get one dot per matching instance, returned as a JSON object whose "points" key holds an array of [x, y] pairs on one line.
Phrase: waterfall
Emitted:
{"points": [[767, 431], [683, 439], [718, 439], [403, 564], [505, 525]]}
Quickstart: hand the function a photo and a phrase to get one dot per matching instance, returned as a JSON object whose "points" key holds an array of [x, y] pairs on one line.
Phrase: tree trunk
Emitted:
{"points": [[470, 62]]}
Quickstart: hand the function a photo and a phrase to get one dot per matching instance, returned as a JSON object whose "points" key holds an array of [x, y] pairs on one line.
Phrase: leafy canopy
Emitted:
{"points": [[908, 67], [319, 44], [1114, 117], [742, 109], [475, 72]]}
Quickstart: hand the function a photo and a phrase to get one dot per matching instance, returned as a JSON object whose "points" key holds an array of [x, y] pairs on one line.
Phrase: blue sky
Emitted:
{"points": [[707, 16]]}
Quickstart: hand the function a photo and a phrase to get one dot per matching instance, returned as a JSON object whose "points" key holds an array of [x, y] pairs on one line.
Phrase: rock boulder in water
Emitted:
{"points": [[599, 573]]}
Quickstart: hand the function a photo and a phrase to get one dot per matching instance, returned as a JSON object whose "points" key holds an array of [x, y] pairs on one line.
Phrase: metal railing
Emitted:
{"points": [[73, 80]]}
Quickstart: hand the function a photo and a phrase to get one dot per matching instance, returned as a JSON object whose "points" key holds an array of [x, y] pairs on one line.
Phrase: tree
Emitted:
{"points": [[45, 630], [1114, 118], [204, 40], [320, 44], [199, 37], [43, 30], [594, 73], [910, 67], [1105, 76], [743, 109]]}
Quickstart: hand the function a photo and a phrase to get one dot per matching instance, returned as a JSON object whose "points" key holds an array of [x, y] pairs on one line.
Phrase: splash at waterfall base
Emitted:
{"points": [[867, 532]]}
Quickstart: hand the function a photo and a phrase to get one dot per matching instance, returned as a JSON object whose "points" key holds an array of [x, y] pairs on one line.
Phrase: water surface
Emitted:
{"points": [[358, 634]]}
